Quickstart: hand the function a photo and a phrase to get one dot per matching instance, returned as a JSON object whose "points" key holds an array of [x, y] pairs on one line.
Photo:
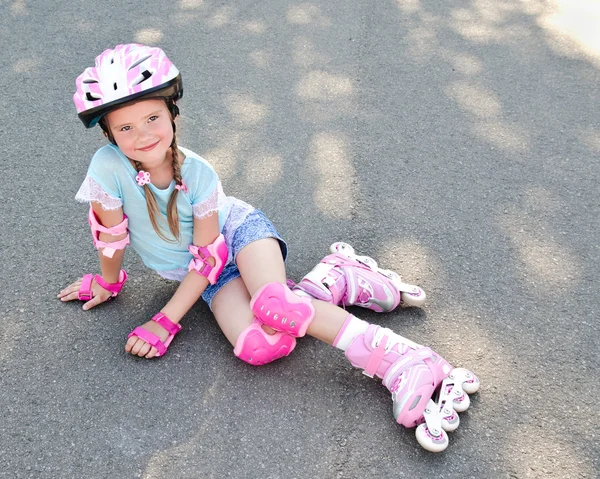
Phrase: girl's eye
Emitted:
{"points": [[126, 128], [153, 117]]}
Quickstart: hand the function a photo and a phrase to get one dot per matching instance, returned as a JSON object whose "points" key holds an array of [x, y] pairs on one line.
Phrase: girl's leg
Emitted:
{"points": [[231, 307], [414, 374], [259, 262], [328, 321]]}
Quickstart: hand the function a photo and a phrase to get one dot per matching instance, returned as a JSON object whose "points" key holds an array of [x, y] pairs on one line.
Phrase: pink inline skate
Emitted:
{"points": [[346, 279], [427, 392]]}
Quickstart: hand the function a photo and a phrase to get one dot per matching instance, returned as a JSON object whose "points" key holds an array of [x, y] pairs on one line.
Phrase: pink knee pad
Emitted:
{"points": [[256, 347], [276, 306]]}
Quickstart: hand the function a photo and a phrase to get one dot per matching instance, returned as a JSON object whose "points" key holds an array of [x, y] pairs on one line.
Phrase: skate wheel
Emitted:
{"points": [[429, 441], [470, 382], [450, 421], [461, 401], [415, 297], [342, 248]]}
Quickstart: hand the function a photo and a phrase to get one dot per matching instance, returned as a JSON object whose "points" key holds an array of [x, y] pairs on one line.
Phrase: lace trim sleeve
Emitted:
{"points": [[210, 205], [92, 191]]}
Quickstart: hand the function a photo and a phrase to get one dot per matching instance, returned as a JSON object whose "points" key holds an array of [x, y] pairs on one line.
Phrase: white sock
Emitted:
{"points": [[351, 328]]}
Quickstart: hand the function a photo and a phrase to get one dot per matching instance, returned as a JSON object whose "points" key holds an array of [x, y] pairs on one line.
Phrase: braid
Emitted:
{"points": [[152, 205], [172, 215]]}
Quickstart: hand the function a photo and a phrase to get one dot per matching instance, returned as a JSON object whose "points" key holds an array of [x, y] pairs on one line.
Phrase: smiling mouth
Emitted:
{"points": [[149, 147]]}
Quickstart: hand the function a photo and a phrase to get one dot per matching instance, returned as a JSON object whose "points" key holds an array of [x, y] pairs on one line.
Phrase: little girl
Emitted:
{"points": [[168, 204]]}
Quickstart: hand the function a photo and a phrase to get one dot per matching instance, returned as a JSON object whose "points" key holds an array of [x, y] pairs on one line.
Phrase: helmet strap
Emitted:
{"points": [[173, 108]]}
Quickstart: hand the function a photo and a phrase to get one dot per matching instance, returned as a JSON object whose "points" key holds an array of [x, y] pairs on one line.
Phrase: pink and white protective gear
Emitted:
{"points": [[257, 347], [85, 290], [276, 306], [343, 278], [125, 73], [152, 339], [413, 374], [217, 250], [108, 249]]}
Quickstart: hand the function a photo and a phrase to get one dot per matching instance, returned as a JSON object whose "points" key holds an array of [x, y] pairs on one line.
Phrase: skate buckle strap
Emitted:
{"points": [[320, 275], [408, 360], [324, 282], [376, 357]]}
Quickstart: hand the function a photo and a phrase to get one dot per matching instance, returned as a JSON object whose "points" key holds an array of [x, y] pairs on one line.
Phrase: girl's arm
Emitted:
{"points": [[206, 231], [109, 267]]}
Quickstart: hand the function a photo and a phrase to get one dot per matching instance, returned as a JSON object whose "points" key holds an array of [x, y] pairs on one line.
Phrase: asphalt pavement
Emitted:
{"points": [[457, 143]]}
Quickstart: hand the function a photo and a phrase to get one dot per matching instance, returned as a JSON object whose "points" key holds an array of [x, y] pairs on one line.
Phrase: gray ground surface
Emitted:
{"points": [[456, 142]]}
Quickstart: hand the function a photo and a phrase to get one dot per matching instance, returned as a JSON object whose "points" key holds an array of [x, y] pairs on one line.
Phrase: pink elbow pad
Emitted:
{"points": [[218, 250], [97, 228]]}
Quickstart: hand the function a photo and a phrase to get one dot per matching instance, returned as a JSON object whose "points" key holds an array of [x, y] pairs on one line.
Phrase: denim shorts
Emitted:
{"points": [[256, 226]]}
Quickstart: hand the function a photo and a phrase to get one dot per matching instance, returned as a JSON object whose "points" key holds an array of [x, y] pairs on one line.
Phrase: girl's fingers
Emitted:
{"points": [[70, 296], [95, 301], [139, 347], [136, 346], [100, 296], [68, 290], [72, 288], [144, 350], [130, 343], [152, 353]]}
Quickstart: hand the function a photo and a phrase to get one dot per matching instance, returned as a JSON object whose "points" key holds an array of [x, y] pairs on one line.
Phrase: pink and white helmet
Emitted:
{"points": [[126, 73]]}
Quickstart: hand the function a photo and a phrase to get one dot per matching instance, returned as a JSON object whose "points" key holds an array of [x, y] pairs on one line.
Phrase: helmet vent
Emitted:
{"points": [[90, 80], [141, 78], [136, 63], [115, 86], [89, 97]]}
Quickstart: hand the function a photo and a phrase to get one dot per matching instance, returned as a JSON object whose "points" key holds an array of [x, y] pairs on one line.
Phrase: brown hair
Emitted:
{"points": [[151, 204]]}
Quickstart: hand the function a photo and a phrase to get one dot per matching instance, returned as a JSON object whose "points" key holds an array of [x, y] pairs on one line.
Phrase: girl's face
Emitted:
{"points": [[143, 131]]}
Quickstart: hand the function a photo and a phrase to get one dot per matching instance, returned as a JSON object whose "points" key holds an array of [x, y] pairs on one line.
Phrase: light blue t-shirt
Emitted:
{"points": [[111, 169]]}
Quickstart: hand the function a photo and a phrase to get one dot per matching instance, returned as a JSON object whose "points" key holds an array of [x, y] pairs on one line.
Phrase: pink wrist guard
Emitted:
{"points": [[217, 250], [97, 228], [152, 339], [85, 291]]}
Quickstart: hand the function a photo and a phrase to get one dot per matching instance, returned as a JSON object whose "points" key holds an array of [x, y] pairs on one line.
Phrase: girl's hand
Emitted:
{"points": [[139, 347], [71, 292]]}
